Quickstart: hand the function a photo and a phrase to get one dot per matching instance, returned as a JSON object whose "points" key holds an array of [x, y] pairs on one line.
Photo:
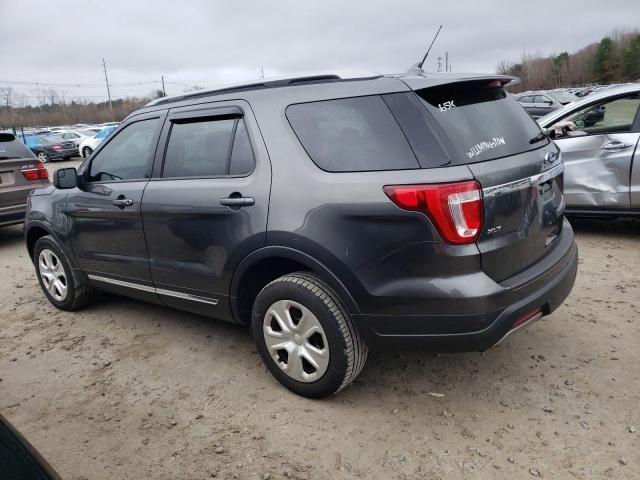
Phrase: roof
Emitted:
{"points": [[415, 79], [588, 100], [274, 82]]}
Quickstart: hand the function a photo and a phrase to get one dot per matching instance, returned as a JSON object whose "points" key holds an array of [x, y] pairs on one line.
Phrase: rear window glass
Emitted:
{"points": [[481, 120], [351, 135], [10, 147]]}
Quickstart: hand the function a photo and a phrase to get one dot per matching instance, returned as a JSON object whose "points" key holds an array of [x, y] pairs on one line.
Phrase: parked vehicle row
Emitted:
{"points": [[330, 214], [542, 102]]}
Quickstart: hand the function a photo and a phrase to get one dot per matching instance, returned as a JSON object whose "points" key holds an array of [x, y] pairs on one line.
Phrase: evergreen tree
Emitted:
{"points": [[605, 66], [631, 60]]}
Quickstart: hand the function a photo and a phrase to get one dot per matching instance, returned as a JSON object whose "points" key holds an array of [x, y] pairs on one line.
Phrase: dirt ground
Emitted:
{"points": [[125, 389]]}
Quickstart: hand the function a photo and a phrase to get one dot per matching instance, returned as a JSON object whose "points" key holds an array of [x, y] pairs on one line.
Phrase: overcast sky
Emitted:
{"points": [[209, 43]]}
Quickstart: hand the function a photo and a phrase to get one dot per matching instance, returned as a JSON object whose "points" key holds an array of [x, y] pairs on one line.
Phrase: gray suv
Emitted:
{"points": [[329, 214], [541, 103]]}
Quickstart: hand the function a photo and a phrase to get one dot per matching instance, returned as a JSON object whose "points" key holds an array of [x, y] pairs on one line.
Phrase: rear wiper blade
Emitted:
{"points": [[541, 136]]}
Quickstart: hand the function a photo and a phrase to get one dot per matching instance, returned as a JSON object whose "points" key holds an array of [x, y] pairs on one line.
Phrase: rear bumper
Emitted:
{"points": [[71, 152], [12, 215], [526, 296]]}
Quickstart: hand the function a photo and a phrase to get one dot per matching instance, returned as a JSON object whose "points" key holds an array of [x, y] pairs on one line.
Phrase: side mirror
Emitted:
{"points": [[66, 178]]}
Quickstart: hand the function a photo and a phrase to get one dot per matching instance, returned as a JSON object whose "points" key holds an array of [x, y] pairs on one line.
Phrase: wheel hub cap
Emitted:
{"points": [[296, 341], [52, 274]]}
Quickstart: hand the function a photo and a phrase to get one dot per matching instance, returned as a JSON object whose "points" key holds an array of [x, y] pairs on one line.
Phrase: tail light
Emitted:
{"points": [[56, 146], [37, 172], [455, 208]]}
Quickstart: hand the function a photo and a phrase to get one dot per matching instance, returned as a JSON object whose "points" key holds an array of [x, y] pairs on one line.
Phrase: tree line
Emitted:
{"points": [[51, 109], [615, 59]]}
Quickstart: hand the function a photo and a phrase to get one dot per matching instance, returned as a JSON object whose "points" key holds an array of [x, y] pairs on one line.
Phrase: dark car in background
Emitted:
{"points": [[330, 214], [20, 172], [51, 147], [541, 103]]}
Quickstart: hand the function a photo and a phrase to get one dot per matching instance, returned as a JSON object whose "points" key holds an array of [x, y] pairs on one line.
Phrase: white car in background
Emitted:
{"points": [[76, 136], [88, 145]]}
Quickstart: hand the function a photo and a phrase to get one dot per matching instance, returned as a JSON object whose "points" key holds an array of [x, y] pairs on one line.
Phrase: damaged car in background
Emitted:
{"points": [[598, 138]]}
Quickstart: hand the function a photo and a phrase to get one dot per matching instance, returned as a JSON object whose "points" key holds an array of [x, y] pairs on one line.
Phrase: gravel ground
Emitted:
{"points": [[125, 389]]}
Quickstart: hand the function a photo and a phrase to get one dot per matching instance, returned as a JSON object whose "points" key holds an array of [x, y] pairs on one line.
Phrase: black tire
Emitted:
{"points": [[347, 350], [86, 152], [43, 157], [78, 289]]}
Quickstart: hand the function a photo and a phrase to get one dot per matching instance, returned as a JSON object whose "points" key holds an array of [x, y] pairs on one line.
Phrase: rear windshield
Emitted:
{"points": [[481, 120], [10, 147]]}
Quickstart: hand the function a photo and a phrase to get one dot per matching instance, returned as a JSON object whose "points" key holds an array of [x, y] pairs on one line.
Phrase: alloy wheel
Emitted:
{"points": [[52, 274]]}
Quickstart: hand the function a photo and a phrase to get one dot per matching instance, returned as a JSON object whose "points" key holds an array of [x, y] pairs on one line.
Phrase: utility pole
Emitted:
{"points": [[106, 79], [439, 64], [262, 73], [164, 92], [446, 61]]}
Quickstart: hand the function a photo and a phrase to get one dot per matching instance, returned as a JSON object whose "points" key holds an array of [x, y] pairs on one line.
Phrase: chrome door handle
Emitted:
{"points": [[237, 202], [122, 202], [615, 146]]}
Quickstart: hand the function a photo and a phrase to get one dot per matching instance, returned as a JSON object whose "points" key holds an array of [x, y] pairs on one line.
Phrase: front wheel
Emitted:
{"points": [[86, 151], [43, 157], [64, 287], [306, 337]]}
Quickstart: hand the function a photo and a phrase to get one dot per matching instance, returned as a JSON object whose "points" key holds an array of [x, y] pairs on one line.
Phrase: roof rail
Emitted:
{"points": [[274, 83]]}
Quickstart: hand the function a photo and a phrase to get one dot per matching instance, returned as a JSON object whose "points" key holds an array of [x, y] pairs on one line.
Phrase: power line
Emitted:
{"points": [[91, 85]]}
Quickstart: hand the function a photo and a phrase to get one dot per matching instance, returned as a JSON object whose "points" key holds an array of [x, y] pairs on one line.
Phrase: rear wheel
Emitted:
{"points": [[64, 287], [86, 151], [43, 157], [305, 336]]}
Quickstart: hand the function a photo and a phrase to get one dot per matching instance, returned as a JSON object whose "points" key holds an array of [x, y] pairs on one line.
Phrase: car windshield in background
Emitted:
{"points": [[481, 120], [52, 138], [10, 147], [563, 97]]}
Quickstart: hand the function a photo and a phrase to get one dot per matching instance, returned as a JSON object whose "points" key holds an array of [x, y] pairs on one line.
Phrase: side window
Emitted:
{"points": [[614, 116], [351, 135], [128, 155], [213, 147], [526, 99], [543, 99]]}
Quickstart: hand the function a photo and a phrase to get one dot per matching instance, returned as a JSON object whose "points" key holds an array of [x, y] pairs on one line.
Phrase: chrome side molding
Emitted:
{"points": [[159, 291]]}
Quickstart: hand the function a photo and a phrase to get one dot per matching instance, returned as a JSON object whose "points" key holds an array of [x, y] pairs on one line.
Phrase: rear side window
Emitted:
{"points": [[210, 147], [481, 120], [10, 147], [351, 135]]}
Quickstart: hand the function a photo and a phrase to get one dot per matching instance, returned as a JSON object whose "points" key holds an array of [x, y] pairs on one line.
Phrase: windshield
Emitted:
{"points": [[52, 138], [562, 96], [482, 121], [104, 133]]}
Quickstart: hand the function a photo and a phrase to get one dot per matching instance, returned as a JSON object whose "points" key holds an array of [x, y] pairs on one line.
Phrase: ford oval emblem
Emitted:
{"points": [[550, 158]]}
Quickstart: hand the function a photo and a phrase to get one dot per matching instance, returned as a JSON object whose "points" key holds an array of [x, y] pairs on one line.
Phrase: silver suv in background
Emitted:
{"points": [[599, 138], [541, 103]]}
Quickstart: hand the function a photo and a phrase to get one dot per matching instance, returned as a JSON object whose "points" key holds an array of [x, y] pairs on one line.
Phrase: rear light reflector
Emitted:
{"points": [[455, 208], [56, 147], [37, 172], [526, 318]]}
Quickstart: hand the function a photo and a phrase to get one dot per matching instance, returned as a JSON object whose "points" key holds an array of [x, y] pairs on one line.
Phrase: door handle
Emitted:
{"points": [[122, 202], [615, 146], [234, 201]]}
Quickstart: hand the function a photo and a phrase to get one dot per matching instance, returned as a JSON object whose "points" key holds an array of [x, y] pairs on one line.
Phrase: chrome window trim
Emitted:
{"points": [[524, 183], [149, 289]]}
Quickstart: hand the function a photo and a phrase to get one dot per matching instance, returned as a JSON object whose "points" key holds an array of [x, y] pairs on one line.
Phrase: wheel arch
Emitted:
{"points": [[268, 263]]}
